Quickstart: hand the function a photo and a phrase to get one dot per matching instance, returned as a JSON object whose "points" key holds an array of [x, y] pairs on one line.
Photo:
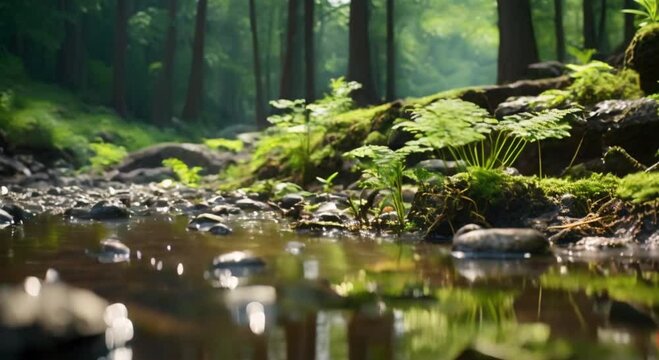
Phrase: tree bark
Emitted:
{"points": [[630, 29], [309, 53], [559, 30], [359, 55], [192, 108], [163, 100], [286, 86], [517, 44], [589, 32], [119, 63], [391, 53], [601, 31], [258, 109], [70, 53]]}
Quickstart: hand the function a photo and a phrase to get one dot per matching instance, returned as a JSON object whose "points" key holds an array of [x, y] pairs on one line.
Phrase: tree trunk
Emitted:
{"points": [[589, 32], [359, 56], [391, 53], [287, 84], [192, 108], [630, 29], [70, 53], [163, 100], [559, 30], [119, 63], [601, 32], [259, 112], [309, 53], [517, 45]]}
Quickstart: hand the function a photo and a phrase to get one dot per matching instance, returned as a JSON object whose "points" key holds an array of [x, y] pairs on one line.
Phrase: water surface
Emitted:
{"points": [[342, 297]]}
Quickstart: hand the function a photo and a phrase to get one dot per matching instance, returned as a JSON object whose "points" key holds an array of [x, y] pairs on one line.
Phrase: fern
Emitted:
{"points": [[106, 155], [468, 133], [185, 174], [649, 13]]}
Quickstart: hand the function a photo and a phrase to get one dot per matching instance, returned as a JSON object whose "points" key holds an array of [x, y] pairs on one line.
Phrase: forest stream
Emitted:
{"points": [[291, 295]]}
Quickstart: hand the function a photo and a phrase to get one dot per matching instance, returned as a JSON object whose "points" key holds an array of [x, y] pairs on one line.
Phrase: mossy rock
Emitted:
{"points": [[642, 55]]}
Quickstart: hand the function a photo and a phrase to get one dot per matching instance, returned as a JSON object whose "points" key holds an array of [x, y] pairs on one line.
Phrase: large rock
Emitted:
{"points": [[630, 124], [191, 154], [642, 55], [472, 239], [40, 315]]}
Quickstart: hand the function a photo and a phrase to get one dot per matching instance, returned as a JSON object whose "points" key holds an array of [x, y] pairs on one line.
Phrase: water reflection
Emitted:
{"points": [[318, 298]]}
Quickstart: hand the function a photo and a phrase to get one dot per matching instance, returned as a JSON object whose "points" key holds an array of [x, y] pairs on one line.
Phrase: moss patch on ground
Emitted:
{"points": [[493, 198]]}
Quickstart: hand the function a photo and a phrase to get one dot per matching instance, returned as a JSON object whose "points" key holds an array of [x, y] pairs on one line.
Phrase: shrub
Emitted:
{"points": [[185, 174]]}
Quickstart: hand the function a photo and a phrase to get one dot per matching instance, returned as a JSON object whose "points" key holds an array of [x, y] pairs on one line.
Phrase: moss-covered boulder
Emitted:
{"points": [[642, 55]]}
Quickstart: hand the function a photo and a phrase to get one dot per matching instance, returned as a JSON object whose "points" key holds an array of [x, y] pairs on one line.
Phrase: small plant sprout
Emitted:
{"points": [[186, 175], [328, 182], [384, 169], [648, 14]]}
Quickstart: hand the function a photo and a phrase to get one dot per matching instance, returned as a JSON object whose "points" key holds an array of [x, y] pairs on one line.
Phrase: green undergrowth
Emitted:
{"points": [[47, 118], [640, 187]]}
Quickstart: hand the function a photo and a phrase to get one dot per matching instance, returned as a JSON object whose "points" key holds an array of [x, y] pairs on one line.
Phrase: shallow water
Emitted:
{"points": [[397, 301]]}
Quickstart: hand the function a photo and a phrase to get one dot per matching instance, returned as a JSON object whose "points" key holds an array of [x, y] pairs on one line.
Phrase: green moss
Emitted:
{"points": [[48, 118], [594, 187], [593, 83], [106, 155], [640, 187], [376, 138]]}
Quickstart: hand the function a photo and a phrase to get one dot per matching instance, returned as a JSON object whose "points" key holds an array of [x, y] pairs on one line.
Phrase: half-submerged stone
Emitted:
{"points": [[472, 239], [113, 251]]}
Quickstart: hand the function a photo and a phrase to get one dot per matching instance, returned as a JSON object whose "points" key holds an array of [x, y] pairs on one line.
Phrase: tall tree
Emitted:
{"points": [[589, 25], [70, 53], [601, 29], [359, 53], [259, 110], [559, 30], [290, 55], [119, 63], [192, 108], [309, 52], [517, 45], [163, 99], [391, 53]]}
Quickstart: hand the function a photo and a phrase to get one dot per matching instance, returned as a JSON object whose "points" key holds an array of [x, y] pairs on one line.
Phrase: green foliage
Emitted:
{"points": [[328, 182], [383, 169], [640, 187], [595, 82], [225, 144], [648, 14], [299, 128], [106, 155], [185, 174], [471, 135], [583, 56]]}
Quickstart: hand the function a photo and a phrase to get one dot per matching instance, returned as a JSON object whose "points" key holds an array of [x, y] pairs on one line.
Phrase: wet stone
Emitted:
{"points": [[251, 205], [225, 210], [290, 200], [204, 222], [220, 229], [113, 251], [236, 264], [499, 241], [51, 313], [5, 219], [329, 217], [105, 210]]}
